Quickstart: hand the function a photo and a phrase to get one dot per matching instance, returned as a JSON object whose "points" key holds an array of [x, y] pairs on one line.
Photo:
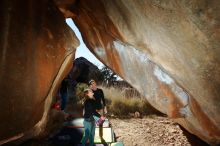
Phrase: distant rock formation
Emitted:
{"points": [[83, 71]]}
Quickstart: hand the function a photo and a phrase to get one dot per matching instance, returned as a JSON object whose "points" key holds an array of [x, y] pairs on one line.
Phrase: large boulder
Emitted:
{"points": [[168, 50], [37, 48]]}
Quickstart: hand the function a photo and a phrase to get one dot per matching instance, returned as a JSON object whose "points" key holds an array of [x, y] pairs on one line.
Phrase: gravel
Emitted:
{"points": [[149, 131]]}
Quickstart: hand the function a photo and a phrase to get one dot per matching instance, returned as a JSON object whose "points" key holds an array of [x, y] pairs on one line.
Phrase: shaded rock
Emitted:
{"points": [[83, 71], [168, 50], [37, 48]]}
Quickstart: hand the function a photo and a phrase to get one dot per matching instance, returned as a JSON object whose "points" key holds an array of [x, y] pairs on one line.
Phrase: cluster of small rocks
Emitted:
{"points": [[149, 131]]}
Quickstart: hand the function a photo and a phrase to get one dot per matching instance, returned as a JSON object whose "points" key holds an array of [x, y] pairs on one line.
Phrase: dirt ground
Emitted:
{"points": [[147, 131], [152, 131]]}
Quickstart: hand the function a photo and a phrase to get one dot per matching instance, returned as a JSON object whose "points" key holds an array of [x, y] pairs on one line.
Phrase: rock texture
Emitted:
{"points": [[37, 48], [168, 50]]}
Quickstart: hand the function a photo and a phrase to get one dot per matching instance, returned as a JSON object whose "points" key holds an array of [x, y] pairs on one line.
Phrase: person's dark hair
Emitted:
{"points": [[90, 81]]}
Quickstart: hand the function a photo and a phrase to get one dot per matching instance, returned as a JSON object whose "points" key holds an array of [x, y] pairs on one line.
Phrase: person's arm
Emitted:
{"points": [[103, 101], [102, 97], [96, 114]]}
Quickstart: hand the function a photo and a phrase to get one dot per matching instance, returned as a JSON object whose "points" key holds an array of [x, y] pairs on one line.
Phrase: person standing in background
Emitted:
{"points": [[100, 103], [63, 93]]}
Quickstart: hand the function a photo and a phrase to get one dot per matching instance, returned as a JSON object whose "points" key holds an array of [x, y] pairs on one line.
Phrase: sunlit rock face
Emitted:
{"points": [[37, 48], [168, 50]]}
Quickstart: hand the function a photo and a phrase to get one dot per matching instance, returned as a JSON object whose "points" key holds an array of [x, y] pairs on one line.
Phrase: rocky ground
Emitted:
{"points": [[152, 131], [147, 131]]}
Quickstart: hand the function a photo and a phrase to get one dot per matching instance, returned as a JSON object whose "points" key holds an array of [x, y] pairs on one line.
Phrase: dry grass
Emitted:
{"points": [[120, 103], [121, 106]]}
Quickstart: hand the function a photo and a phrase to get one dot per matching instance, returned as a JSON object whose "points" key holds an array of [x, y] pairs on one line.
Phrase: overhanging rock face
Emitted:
{"points": [[168, 50], [37, 48]]}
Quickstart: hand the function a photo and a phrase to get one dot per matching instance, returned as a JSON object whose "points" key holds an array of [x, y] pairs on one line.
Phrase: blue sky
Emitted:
{"points": [[82, 50]]}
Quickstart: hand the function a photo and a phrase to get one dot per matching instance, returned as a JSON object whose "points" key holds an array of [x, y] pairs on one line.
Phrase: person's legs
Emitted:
{"points": [[101, 131], [63, 100], [92, 134], [97, 119], [87, 131]]}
